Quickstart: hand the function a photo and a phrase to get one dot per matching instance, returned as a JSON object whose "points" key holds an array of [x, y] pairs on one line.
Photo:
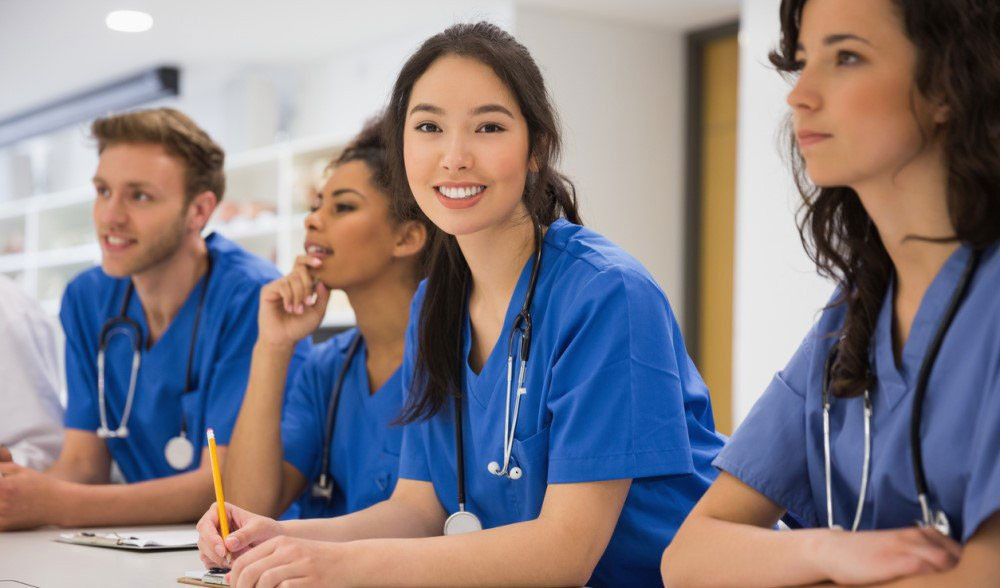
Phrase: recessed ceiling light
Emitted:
{"points": [[129, 21]]}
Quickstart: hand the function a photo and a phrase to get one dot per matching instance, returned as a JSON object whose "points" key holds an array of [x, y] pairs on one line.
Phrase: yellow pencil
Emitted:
{"points": [[220, 500]]}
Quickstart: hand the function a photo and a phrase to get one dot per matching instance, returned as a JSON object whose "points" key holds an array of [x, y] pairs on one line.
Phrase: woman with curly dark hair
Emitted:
{"points": [[889, 413], [327, 447]]}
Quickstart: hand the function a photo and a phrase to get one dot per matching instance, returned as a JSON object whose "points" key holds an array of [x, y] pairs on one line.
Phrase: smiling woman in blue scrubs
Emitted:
{"points": [[355, 241], [610, 438], [896, 120]]}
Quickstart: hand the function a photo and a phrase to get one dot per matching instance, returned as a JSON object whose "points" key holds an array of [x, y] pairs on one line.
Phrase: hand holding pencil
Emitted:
{"points": [[218, 545]]}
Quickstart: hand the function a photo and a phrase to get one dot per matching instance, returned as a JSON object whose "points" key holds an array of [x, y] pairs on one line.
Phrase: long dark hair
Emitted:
{"points": [[958, 62], [547, 196]]}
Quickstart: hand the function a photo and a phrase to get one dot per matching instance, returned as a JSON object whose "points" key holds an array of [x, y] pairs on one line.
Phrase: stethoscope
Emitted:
{"points": [[464, 521], [323, 487], [929, 517], [179, 451]]}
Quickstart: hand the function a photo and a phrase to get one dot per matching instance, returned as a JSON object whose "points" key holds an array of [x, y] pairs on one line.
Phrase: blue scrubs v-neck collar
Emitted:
{"points": [[493, 374], [188, 309], [895, 382]]}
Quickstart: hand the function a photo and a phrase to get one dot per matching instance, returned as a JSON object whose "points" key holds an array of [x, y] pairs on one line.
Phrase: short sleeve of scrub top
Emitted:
{"points": [[779, 448], [304, 418], [412, 454], [982, 500], [81, 370], [777, 420], [617, 409]]}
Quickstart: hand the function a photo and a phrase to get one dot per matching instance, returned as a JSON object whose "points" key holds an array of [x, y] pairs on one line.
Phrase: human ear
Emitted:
{"points": [[200, 210], [411, 238]]}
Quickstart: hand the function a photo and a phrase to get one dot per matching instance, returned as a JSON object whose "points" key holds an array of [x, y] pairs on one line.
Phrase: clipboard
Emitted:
{"points": [[203, 578], [155, 541]]}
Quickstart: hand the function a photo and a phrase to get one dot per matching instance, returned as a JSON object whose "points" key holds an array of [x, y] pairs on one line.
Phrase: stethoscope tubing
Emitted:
{"points": [[321, 488], [124, 323], [521, 326], [928, 516]]}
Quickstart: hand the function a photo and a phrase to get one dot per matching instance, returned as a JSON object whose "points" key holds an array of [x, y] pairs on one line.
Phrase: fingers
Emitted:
{"points": [[930, 550], [303, 269], [943, 541], [277, 575], [300, 284], [245, 571], [5, 454], [209, 541], [247, 535]]}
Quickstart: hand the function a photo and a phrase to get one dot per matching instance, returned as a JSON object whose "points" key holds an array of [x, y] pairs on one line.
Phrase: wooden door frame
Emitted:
{"points": [[696, 41]]}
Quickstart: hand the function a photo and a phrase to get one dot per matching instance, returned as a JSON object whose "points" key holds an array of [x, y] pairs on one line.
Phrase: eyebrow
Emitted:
{"points": [[484, 109], [837, 38], [487, 108], [343, 191], [423, 107], [133, 184]]}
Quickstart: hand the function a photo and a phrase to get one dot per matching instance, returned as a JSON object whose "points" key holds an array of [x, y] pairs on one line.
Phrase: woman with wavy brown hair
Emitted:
{"points": [[889, 412]]}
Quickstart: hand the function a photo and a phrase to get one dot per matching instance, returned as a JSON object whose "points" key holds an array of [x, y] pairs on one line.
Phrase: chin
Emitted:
{"points": [[116, 269], [826, 176]]}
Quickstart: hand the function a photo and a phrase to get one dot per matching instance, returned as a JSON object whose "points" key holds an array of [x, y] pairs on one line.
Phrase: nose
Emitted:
{"points": [[805, 95], [313, 220], [457, 157]]}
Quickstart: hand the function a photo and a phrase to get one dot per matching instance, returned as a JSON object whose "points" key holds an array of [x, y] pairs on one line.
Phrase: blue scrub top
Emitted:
{"points": [[612, 394], [778, 450], [364, 449], [219, 369]]}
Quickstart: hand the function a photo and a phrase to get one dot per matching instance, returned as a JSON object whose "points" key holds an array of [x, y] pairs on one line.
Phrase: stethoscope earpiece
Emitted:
{"points": [[515, 473], [493, 468]]}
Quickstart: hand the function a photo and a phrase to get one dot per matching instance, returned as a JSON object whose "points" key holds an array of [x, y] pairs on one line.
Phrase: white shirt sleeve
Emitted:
{"points": [[31, 418]]}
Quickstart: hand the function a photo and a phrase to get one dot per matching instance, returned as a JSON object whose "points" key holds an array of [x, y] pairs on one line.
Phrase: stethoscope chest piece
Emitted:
{"points": [[460, 522], [179, 452]]}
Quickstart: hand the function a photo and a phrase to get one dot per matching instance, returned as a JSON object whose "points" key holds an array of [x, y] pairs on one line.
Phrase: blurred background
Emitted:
{"points": [[671, 121]]}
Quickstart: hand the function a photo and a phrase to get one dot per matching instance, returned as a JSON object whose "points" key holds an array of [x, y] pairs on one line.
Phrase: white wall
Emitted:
{"points": [[619, 89], [335, 95], [777, 294]]}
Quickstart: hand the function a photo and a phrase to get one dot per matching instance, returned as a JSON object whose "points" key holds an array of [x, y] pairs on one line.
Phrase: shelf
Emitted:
{"points": [[14, 262], [49, 238], [87, 253]]}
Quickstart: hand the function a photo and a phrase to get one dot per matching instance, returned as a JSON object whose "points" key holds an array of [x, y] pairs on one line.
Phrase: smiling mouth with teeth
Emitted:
{"points": [[117, 242], [318, 250], [460, 193]]}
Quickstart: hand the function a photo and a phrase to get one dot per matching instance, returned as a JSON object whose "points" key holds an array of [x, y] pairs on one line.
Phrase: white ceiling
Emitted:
{"points": [[53, 47]]}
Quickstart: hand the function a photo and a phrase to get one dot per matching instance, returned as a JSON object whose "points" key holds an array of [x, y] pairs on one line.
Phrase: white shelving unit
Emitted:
{"points": [[46, 239]]}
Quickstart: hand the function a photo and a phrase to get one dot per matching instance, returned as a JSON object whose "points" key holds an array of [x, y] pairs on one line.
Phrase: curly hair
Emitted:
{"points": [[958, 61]]}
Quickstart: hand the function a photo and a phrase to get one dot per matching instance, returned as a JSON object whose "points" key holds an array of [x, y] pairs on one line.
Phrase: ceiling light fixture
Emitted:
{"points": [[129, 21]]}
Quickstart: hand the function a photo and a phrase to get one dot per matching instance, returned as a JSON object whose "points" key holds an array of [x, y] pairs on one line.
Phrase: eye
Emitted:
{"points": [[344, 207], [490, 128], [848, 58], [141, 196], [315, 204], [103, 192], [428, 127]]}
